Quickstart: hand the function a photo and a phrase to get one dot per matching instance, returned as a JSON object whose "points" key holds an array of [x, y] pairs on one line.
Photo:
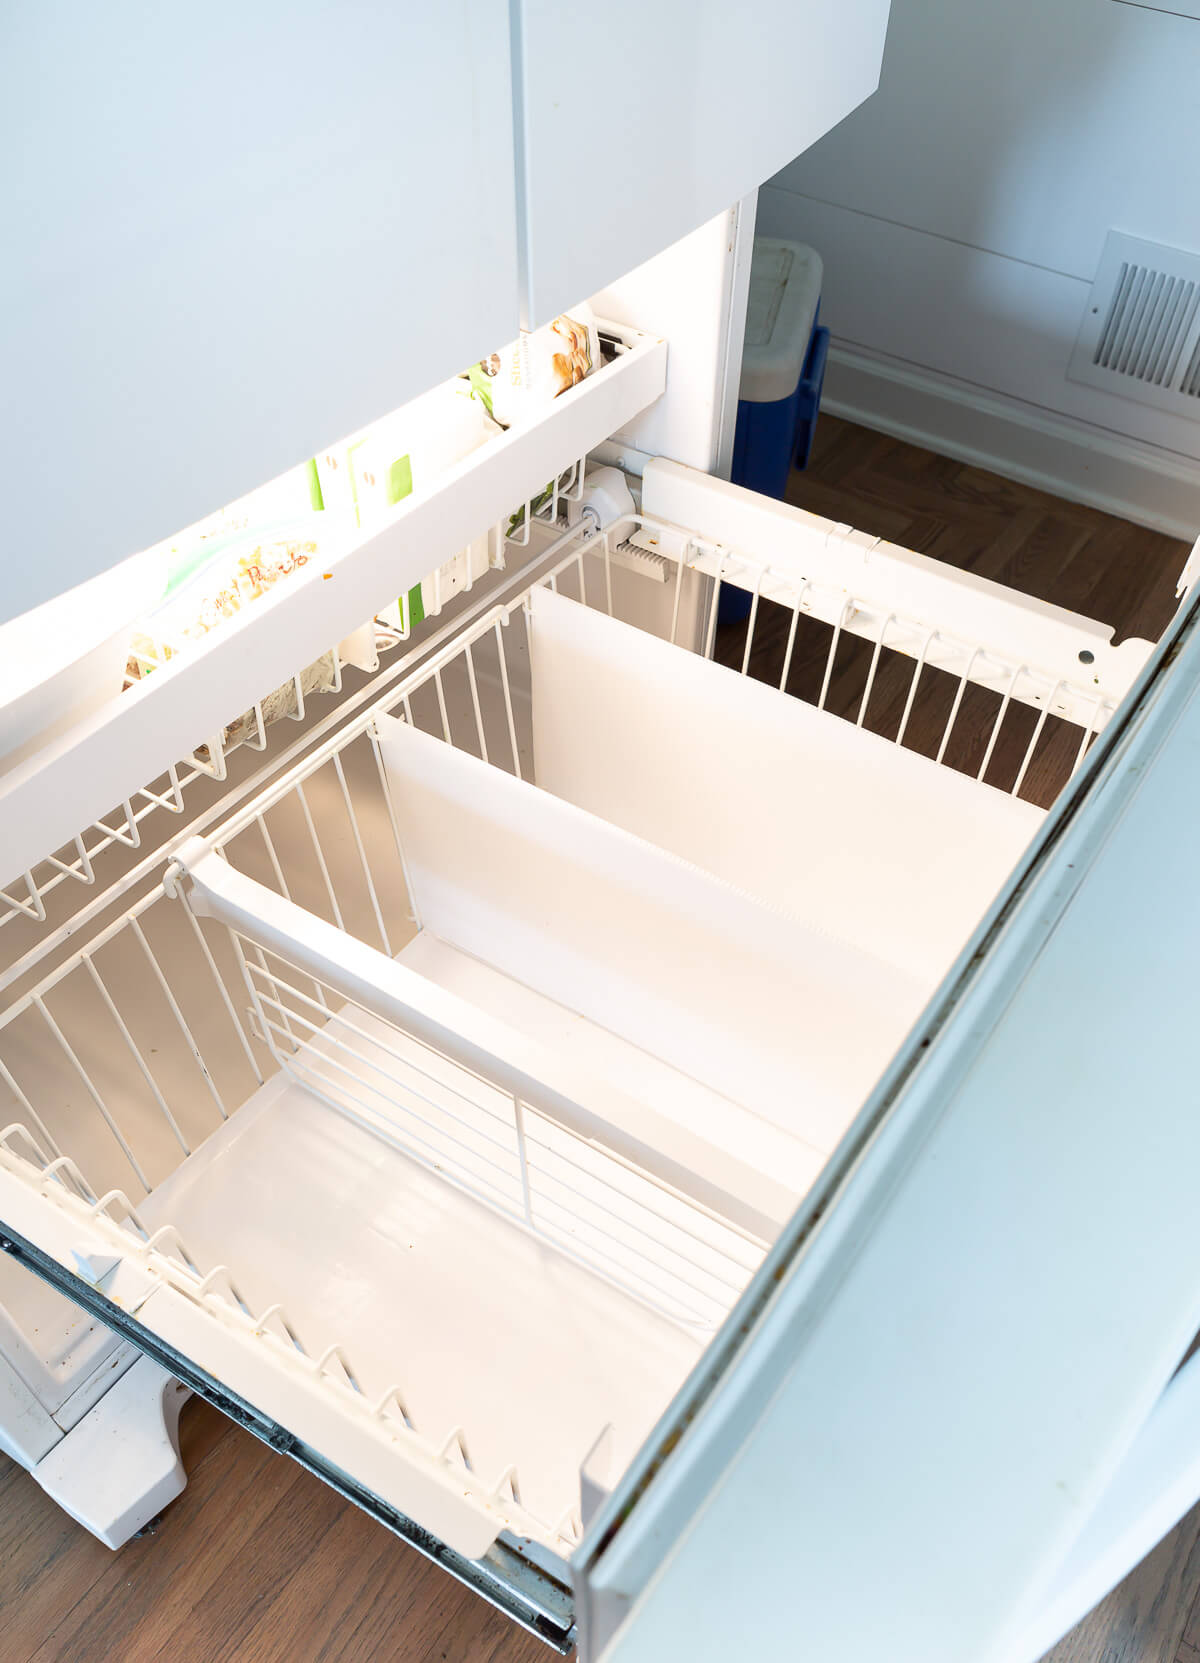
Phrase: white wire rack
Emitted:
{"points": [[898, 671], [872, 664], [474, 693], [132, 1051], [145, 1108], [124, 827], [600, 1211]]}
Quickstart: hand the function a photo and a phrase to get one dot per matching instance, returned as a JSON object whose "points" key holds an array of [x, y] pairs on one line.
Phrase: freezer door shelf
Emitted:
{"points": [[61, 797]]}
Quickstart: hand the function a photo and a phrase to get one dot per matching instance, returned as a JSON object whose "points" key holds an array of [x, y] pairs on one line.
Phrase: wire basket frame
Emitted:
{"points": [[330, 812], [124, 826], [966, 704], [162, 1255], [621, 1223], [148, 1108]]}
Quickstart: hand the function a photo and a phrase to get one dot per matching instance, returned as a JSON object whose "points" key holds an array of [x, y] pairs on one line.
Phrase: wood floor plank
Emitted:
{"points": [[1119, 573], [895, 522], [1143, 1620], [841, 449], [1191, 1629], [153, 1583], [1036, 553], [257, 1562], [366, 1596], [48, 1566]]}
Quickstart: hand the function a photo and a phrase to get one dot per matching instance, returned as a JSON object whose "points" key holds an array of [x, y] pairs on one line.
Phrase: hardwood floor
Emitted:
{"points": [[258, 1562], [1153, 1617], [1059, 551]]}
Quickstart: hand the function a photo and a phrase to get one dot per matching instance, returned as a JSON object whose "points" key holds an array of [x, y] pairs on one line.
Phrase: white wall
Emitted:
{"points": [[961, 214]]}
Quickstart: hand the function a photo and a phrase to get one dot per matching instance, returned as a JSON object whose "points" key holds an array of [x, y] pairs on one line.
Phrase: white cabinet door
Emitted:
{"points": [[641, 119], [233, 233], [952, 1349]]}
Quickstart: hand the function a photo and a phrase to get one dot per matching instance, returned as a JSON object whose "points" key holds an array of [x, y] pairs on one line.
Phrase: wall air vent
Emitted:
{"points": [[1140, 335]]}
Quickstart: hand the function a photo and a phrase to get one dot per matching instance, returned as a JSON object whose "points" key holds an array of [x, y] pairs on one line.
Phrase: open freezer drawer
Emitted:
{"points": [[317, 933]]}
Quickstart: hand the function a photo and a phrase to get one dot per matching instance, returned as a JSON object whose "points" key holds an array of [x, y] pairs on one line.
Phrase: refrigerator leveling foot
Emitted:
{"points": [[119, 1467]]}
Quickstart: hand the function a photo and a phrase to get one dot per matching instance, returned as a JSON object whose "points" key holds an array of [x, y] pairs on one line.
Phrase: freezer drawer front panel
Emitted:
{"points": [[944, 1371]]}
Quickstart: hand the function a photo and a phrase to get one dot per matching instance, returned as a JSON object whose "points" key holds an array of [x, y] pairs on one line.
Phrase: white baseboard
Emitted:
{"points": [[1155, 488]]}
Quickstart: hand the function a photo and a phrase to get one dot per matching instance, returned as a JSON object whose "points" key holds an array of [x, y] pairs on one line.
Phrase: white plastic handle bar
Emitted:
{"points": [[547, 1082], [1155, 1485]]}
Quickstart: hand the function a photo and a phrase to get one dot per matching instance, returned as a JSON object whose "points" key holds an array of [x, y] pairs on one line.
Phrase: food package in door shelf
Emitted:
{"points": [[332, 469], [211, 580], [518, 382], [363, 477]]}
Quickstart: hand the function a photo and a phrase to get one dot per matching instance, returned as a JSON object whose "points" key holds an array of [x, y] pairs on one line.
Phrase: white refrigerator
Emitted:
{"points": [[706, 1167]]}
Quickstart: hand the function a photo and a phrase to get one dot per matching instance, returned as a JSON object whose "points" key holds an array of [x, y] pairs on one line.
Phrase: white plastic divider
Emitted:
{"points": [[112, 754], [874, 844], [1029, 650], [776, 1016]]}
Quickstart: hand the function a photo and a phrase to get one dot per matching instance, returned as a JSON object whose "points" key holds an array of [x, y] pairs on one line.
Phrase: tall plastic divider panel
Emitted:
{"points": [[639, 122], [233, 234]]}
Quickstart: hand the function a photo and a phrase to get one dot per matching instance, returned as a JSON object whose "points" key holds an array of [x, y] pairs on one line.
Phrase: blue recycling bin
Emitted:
{"points": [[783, 369]]}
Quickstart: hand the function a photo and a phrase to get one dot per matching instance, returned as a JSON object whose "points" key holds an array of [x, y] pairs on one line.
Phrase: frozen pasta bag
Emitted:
{"points": [[519, 382], [212, 578], [210, 582]]}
